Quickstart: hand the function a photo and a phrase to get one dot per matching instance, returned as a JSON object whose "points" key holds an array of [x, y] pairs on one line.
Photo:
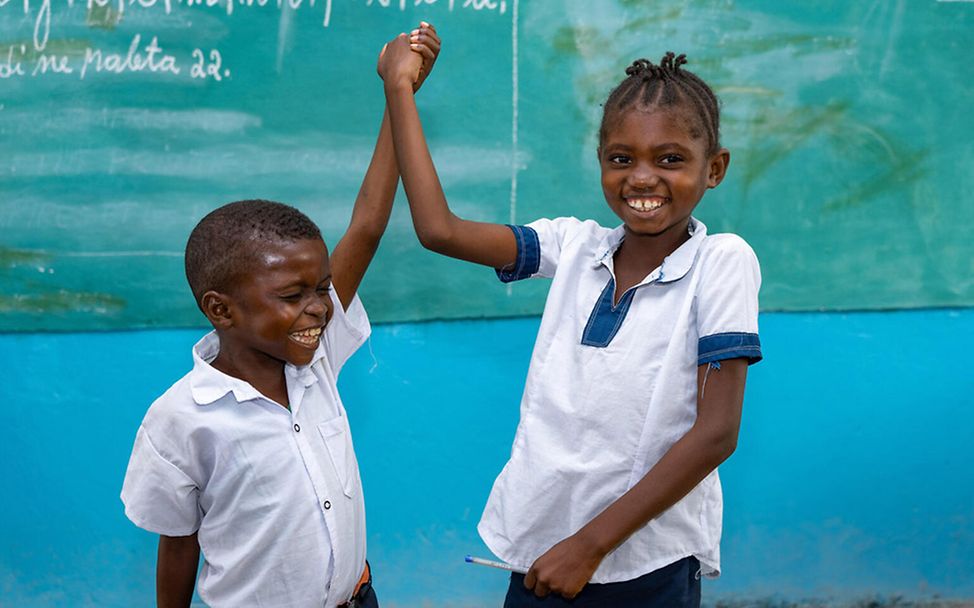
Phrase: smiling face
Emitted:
{"points": [[654, 172], [279, 308]]}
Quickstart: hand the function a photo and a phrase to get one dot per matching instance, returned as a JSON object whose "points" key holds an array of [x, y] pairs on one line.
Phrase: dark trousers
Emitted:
{"points": [[673, 586]]}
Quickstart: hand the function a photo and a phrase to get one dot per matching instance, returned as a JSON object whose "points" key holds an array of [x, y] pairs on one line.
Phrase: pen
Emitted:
{"points": [[488, 562]]}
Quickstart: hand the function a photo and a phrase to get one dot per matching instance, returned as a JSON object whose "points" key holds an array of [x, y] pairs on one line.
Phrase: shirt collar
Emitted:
{"points": [[209, 384], [675, 266]]}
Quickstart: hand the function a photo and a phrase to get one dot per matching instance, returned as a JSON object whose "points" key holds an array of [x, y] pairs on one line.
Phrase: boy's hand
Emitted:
{"points": [[564, 569], [408, 59]]}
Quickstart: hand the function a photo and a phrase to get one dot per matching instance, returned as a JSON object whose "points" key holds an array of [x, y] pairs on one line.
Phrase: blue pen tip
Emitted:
{"points": [[468, 559]]}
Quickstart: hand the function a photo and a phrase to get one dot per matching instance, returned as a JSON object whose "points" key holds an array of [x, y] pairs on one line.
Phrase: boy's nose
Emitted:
{"points": [[317, 307]]}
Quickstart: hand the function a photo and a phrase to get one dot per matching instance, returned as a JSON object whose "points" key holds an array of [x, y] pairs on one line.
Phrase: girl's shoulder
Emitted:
{"points": [[725, 243]]}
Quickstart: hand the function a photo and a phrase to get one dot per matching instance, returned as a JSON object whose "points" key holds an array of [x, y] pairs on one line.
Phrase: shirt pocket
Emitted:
{"points": [[338, 442]]}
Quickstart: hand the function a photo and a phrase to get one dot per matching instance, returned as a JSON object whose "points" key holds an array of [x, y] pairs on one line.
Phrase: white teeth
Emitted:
{"points": [[308, 336], [642, 204]]}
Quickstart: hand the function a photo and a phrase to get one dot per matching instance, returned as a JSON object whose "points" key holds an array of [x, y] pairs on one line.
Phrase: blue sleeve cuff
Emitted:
{"points": [[732, 345], [528, 256]]}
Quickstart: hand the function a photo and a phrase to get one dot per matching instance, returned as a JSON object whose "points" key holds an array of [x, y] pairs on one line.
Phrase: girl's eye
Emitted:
{"points": [[324, 290], [290, 297], [669, 159], [619, 159]]}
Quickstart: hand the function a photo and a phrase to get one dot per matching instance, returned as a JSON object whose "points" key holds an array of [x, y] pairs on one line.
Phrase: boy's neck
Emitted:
{"points": [[264, 373]]}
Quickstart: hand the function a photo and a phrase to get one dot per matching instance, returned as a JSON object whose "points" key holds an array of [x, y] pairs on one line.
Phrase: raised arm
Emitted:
{"points": [[567, 567], [370, 215], [436, 226], [176, 565]]}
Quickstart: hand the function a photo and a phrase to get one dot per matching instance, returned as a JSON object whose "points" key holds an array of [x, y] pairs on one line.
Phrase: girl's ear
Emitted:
{"points": [[718, 167], [216, 307]]}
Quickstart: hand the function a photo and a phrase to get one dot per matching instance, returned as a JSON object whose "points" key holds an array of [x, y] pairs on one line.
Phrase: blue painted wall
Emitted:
{"points": [[852, 477]]}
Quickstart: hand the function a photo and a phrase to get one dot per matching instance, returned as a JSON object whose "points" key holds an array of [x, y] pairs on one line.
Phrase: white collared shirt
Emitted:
{"points": [[611, 388], [274, 493]]}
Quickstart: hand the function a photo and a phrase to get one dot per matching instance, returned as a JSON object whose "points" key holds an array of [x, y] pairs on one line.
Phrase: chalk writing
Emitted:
{"points": [[499, 6], [145, 52]]}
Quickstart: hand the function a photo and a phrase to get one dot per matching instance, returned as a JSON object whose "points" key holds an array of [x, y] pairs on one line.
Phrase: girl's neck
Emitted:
{"points": [[639, 255]]}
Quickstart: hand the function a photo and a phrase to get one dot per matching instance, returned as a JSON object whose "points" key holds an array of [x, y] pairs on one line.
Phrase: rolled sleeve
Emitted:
{"points": [[727, 303], [539, 247], [157, 495], [346, 331]]}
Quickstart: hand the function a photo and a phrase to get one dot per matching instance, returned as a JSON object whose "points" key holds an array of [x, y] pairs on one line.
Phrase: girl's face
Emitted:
{"points": [[654, 172]]}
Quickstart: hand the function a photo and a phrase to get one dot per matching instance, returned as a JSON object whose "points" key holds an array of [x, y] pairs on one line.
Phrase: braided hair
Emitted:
{"points": [[666, 85]]}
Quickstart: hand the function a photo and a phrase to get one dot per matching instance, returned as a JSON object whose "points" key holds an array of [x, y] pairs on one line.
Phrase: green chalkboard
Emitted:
{"points": [[122, 122]]}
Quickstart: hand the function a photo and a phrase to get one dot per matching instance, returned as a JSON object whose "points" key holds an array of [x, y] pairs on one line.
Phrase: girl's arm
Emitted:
{"points": [[176, 565], [436, 226], [567, 567], [370, 215]]}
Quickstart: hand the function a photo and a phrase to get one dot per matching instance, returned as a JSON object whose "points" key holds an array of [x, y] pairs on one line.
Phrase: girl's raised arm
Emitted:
{"points": [[436, 226]]}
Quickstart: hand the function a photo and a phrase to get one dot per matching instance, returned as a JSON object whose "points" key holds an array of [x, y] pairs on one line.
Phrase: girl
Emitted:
{"points": [[636, 382]]}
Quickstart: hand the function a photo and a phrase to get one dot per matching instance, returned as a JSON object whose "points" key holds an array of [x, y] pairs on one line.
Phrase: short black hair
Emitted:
{"points": [[649, 86], [225, 242]]}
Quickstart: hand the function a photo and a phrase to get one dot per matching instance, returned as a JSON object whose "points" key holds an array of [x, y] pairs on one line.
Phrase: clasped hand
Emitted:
{"points": [[408, 58]]}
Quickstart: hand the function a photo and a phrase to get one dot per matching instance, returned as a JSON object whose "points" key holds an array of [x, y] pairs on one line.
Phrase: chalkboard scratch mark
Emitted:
{"points": [[798, 126], [120, 254], [283, 29], [61, 301], [10, 258], [894, 35], [896, 176]]}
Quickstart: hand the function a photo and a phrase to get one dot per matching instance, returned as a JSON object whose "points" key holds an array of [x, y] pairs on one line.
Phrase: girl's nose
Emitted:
{"points": [[643, 176]]}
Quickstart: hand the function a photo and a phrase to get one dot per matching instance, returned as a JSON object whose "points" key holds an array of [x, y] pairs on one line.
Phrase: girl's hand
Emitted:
{"points": [[408, 59], [426, 42], [564, 569]]}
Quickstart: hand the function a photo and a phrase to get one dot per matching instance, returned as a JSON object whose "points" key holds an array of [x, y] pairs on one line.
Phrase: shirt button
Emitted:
{"points": [[326, 505], [297, 428]]}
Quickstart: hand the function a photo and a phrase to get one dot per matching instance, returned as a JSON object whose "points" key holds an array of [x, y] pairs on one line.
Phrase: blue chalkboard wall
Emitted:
{"points": [[849, 123]]}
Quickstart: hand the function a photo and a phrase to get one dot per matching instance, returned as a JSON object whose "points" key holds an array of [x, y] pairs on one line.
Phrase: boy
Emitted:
{"points": [[249, 456]]}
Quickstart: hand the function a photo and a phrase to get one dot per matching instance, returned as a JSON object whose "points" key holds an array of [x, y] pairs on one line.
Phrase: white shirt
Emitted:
{"points": [[611, 388], [274, 494]]}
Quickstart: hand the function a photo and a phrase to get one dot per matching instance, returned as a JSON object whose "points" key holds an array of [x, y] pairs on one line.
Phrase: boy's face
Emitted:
{"points": [[281, 306], [654, 172]]}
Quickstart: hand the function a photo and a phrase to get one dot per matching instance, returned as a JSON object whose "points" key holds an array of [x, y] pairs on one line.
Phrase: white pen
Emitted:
{"points": [[489, 562]]}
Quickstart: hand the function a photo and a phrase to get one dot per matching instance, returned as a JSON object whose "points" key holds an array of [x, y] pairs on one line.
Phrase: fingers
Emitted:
{"points": [[536, 585], [428, 55], [426, 35]]}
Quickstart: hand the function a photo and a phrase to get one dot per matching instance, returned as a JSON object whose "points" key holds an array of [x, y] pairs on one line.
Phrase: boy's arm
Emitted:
{"points": [[436, 226], [567, 567], [370, 215], [178, 561]]}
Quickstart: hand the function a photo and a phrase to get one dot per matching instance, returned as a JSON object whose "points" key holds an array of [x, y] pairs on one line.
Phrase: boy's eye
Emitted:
{"points": [[291, 297]]}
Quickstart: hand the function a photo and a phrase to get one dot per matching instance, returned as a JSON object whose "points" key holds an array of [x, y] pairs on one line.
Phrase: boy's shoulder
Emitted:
{"points": [[174, 406]]}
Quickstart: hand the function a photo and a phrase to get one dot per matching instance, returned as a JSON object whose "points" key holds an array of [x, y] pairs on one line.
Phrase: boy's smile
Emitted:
{"points": [[654, 172], [279, 309]]}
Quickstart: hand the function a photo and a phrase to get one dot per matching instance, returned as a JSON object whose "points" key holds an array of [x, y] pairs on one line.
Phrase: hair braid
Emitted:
{"points": [[648, 85]]}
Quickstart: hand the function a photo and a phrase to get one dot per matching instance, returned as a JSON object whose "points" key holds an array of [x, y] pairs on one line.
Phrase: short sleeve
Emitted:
{"points": [[727, 301], [158, 496], [346, 331], [539, 246]]}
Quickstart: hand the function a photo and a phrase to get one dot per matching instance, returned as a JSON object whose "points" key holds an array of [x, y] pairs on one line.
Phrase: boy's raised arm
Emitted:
{"points": [[370, 215], [436, 226], [176, 565]]}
